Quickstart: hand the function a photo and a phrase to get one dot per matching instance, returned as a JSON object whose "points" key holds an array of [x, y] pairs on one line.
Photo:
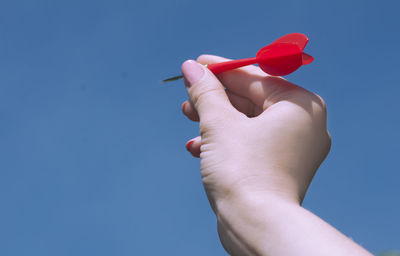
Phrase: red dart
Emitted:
{"points": [[280, 58]]}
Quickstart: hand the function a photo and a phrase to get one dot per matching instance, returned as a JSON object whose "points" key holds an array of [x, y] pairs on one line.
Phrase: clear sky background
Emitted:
{"points": [[92, 156]]}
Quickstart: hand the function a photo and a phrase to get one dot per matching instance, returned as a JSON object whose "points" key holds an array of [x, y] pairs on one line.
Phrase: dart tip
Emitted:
{"points": [[172, 79]]}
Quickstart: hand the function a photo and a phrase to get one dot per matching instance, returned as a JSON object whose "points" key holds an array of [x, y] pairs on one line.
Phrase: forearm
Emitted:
{"points": [[261, 226]]}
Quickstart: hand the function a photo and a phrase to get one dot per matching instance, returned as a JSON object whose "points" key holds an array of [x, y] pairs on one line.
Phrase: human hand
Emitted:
{"points": [[261, 136]]}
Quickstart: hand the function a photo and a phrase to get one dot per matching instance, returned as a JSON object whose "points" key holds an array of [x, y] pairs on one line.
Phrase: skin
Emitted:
{"points": [[261, 141]]}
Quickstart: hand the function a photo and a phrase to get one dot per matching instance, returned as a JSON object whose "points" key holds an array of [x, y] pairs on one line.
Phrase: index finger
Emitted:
{"points": [[249, 81]]}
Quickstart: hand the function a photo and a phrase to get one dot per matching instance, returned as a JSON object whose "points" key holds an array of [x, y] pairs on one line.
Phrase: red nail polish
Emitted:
{"points": [[183, 106], [188, 144]]}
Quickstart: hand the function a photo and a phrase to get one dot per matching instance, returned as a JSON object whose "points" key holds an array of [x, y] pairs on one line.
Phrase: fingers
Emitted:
{"points": [[239, 81], [193, 146], [249, 82], [242, 104], [189, 111], [205, 92], [209, 59]]}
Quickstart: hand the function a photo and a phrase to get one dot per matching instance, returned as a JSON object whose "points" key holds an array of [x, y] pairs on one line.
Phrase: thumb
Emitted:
{"points": [[205, 91]]}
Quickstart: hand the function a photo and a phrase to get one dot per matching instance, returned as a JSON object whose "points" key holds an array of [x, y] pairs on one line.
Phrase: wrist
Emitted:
{"points": [[250, 221], [253, 206], [256, 191]]}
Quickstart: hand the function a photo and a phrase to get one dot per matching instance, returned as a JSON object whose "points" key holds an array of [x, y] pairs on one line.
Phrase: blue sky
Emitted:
{"points": [[92, 157]]}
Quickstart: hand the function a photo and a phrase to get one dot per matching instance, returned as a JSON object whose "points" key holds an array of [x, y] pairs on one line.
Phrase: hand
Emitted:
{"points": [[262, 134], [261, 141]]}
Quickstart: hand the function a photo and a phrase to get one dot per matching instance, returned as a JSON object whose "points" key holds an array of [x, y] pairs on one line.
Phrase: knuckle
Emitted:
{"points": [[320, 105], [328, 143], [322, 102], [329, 139], [200, 95]]}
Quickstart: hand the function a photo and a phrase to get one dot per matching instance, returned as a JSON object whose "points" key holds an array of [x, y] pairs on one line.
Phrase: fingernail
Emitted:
{"points": [[188, 144], [192, 71], [183, 106]]}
